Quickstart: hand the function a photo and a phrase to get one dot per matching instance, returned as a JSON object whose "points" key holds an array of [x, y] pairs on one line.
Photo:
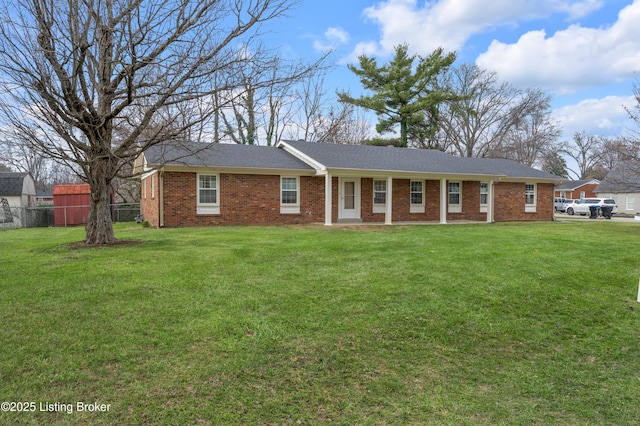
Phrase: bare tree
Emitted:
{"points": [[477, 123], [618, 149], [319, 118], [586, 150], [531, 133], [344, 124], [23, 157], [72, 71], [494, 119], [19, 154]]}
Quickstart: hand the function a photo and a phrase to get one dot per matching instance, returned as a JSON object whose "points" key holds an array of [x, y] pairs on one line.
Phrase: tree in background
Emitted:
{"points": [[586, 151], [317, 119], [554, 163], [73, 71], [494, 119], [22, 157], [532, 132], [402, 96], [474, 125], [259, 114]]}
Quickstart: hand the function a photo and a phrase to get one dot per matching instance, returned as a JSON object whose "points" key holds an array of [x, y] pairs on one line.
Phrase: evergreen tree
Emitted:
{"points": [[402, 96]]}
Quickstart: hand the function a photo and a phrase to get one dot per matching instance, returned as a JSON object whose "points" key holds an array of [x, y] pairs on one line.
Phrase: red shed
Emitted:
{"points": [[71, 204]]}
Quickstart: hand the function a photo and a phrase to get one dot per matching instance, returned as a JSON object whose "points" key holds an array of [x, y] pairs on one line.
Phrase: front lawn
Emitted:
{"points": [[517, 324]]}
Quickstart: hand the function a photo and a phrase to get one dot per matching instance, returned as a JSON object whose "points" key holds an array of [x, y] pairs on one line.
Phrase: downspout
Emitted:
{"points": [[388, 211], [161, 197], [490, 204], [328, 199], [443, 201]]}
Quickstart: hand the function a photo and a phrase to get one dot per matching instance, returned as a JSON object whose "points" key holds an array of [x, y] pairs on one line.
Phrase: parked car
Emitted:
{"points": [[582, 206], [560, 204]]}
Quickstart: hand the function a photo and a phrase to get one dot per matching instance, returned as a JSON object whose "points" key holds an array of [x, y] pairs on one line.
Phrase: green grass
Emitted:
{"points": [[518, 324]]}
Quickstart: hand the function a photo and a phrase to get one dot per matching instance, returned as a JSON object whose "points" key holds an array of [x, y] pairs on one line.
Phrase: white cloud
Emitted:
{"points": [[337, 34], [333, 37], [605, 117], [450, 23], [572, 59]]}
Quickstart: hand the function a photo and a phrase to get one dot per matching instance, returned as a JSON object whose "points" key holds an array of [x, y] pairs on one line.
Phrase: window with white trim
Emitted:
{"points": [[630, 203], [379, 195], [484, 196], [455, 197], [530, 198], [153, 188], [289, 195], [417, 196], [207, 202]]}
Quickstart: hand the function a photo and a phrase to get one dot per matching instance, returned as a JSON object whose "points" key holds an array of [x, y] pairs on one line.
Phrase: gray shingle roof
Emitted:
{"points": [[197, 154], [623, 179], [374, 158], [11, 184], [572, 185]]}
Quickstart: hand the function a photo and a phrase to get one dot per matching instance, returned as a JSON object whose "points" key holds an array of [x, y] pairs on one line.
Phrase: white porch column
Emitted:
{"points": [[327, 199], [490, 202], [388, 212], [443, 200]]}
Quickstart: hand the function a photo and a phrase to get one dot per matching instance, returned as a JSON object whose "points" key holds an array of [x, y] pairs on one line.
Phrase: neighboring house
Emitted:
{"points": [[577, 189], [623, 185], [302, 182], [44, 197], [19, 191]]}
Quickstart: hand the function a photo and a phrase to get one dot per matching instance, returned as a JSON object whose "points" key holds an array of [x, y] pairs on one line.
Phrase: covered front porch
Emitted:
{"points": [[407, 199]]}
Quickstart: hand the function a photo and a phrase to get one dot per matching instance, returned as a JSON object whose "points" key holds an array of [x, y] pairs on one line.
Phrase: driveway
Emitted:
{"points": [[565, 217]]}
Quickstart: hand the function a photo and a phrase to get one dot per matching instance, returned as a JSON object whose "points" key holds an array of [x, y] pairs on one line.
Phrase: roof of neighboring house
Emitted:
{"points": [[44, 193], [623, 179], [12, 184], [389, 159], [196, 154], [572, 185]]}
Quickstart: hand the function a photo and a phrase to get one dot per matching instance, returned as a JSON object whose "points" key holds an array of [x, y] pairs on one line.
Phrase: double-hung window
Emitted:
{"points": [[530, 198], [455, 197], [379, 195], [289, 195], [484, 196], [417, 196], [208, 202]]}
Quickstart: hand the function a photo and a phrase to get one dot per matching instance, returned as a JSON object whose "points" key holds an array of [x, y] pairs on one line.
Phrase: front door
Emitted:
{"points": [[349, 200]]}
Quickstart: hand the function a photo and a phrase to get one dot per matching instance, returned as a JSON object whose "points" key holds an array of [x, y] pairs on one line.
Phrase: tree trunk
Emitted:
{"points": [[99, 224], [403, 133]]}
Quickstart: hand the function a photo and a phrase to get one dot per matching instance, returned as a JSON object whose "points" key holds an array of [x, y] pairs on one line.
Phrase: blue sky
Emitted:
{"points": [[585, 53]]}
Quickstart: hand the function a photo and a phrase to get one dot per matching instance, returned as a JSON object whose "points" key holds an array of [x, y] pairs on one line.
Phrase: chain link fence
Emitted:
{"points": [[44, 216]]}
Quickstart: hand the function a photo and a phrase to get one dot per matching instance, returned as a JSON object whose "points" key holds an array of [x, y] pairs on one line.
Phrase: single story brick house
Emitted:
{"points": [[196, 184], [577, 189]]}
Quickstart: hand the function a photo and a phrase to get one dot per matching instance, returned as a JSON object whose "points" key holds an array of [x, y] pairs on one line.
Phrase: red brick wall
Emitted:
{"points": [[509, 202], [589, 192], [255, 200], [470, 203], [244, 200], [401, 202]]}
